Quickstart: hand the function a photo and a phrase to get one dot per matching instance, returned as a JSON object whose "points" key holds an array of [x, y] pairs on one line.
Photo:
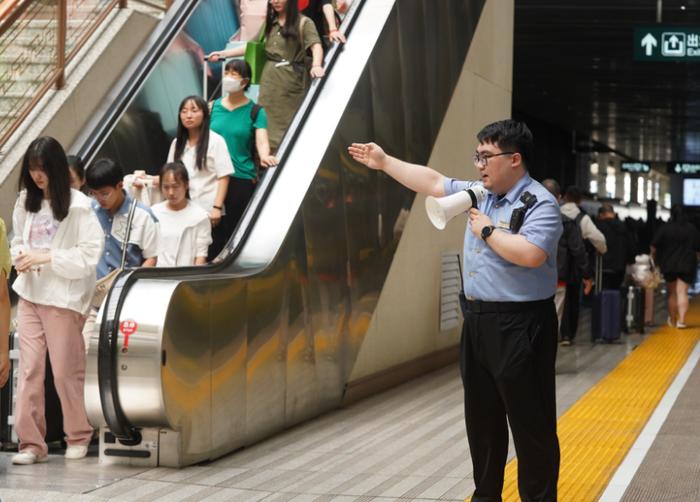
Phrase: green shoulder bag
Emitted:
{"points": [[255, 57]]}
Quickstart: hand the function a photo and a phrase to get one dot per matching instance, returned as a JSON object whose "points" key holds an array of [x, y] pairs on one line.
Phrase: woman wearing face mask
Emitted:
{"points": [[185, 232], [57, 244], [243, 125], [206, 157], [288, 35]]}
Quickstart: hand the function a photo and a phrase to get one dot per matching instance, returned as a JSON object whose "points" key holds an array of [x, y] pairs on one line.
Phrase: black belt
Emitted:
{"points": [[482, 307]]}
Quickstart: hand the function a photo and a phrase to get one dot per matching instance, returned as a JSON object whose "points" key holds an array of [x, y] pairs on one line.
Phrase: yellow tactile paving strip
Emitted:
{"points": [[597, 432]]}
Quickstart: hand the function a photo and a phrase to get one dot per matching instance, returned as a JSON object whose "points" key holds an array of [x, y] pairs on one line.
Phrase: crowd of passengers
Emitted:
{"points": [[74, 227]]}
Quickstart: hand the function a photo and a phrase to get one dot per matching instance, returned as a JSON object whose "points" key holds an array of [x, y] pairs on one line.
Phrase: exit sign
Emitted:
{"points": [[635, 167], [669, 43], [683, 168]]}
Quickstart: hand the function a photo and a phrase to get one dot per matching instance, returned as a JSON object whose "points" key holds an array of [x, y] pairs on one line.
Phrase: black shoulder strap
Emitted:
{"points": [[254, 113], [579, 217]]}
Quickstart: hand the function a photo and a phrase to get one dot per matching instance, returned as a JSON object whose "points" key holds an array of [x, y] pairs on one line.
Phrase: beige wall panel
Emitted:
{"points": [[496, 32], [405, 324]]}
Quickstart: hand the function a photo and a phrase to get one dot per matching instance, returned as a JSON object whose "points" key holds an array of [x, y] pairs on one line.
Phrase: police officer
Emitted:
{"points": [[509, 336]]}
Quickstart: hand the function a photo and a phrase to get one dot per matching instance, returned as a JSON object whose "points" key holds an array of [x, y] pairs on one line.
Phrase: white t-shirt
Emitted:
{"points": [[43, 227], [203, 182], [184, 234]]}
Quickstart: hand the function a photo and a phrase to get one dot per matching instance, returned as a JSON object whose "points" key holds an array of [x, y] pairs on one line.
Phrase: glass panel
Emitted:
{"points": [[82, 15], [27, 61], [627, 188]]}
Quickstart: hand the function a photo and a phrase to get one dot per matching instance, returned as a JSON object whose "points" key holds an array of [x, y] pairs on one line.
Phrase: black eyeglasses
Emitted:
{"points": [[482, 159]]}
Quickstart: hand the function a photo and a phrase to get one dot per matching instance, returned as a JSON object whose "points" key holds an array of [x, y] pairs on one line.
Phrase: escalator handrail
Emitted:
{"points": [[112, 410]]}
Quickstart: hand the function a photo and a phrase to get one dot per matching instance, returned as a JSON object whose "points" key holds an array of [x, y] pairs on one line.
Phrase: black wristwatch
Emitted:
{"points": [[487, 231]]}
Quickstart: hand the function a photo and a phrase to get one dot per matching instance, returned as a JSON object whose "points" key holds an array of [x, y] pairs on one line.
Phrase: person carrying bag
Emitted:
{"points": [[104, 284]]}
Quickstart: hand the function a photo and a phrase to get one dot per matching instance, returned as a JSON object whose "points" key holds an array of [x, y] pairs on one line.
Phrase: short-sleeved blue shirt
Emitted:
{"points": [[489, 277], [143, 237]]}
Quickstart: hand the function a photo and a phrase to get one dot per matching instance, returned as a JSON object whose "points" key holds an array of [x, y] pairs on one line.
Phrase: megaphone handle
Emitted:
{"points": [[472, 196]]}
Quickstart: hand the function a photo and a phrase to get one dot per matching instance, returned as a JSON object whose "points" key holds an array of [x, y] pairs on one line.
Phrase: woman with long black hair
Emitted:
{"points": [[206, 157], [675, 247], [288, 36], [57, 244]]}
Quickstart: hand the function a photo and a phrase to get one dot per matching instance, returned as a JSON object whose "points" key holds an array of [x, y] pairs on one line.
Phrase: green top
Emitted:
{"points": [[279, 48], [238, 130], [5, 261]]}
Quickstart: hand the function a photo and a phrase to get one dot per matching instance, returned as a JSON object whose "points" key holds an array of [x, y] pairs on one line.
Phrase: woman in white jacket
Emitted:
{"points": [[185, 231], [58, 242]]}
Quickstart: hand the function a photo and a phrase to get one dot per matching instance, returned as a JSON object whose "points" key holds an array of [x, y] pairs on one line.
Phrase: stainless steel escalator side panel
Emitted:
{"points": [[228, 300], [139, 363], [275, 218]]}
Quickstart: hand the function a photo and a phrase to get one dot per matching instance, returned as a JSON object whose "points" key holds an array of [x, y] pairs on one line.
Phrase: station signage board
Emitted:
{"points": [[667, 43], [683, 168], [635, 167]]}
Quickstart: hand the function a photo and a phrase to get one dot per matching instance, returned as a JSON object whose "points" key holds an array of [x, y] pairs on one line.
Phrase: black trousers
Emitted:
{"points": [[613, 280], [569, 318], [238, 196], [219, 238], [507, 365]]}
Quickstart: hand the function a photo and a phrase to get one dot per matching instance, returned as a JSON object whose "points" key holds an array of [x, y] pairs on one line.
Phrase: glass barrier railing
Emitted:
{"points": [[38, 38]]}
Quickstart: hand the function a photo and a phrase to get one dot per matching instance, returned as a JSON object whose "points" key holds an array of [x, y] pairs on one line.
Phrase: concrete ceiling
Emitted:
{"points": [[574, 68]]}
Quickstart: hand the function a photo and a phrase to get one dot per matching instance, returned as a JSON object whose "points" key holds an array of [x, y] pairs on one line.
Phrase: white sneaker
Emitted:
{"points": [[75, 452], [28, 458], [681, 325]]}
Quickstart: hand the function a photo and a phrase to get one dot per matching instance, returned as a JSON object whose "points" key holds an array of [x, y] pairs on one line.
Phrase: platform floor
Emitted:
{"points": [[405, 444], [670, 470]]}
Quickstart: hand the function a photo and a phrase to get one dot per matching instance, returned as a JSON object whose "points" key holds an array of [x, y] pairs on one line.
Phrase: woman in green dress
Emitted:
{"points": [[288, 36]]}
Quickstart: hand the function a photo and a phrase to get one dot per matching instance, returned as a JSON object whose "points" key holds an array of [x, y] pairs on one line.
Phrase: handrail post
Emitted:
{"points": [[61, 27], [122, 4]]}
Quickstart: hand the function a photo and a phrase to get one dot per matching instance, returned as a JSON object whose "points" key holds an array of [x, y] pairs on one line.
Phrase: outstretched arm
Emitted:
{"points": [[418, 178], [227, 53]]}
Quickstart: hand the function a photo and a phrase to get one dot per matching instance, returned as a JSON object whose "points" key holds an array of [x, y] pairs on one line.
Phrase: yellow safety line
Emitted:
{"points": [[597, 432]]}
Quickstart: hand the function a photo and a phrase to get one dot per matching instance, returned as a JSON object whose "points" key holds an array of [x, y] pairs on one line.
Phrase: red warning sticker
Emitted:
{"points": [[128, 327]]}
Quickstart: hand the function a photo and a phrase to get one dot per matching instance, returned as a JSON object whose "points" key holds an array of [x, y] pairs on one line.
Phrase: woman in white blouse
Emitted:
{"points": [[205, 155], [185, 232], [57, 244]]}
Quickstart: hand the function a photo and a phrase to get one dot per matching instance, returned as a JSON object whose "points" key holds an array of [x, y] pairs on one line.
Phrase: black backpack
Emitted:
{"points": [[572, 258]]}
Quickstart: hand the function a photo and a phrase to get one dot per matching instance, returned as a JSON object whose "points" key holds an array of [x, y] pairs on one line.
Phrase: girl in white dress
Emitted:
{"points": [[185, 231], [205, 155]]}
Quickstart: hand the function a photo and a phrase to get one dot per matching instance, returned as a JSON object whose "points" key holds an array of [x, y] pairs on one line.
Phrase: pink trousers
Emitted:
{"points": [[42, 327]]}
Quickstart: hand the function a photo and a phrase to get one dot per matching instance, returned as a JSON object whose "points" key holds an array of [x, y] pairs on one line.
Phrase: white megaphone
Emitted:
{"points": [[443, 209]]}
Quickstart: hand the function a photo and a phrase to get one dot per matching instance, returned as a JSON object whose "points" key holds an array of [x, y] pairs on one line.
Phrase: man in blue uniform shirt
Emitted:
{"points": [[509, 336]]}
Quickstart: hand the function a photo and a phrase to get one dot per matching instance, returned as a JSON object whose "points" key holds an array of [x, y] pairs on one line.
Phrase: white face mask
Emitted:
{"points": [[230, 84]]}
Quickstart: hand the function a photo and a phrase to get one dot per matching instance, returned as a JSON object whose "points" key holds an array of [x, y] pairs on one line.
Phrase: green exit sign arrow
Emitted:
{"points": [[669, 43]]}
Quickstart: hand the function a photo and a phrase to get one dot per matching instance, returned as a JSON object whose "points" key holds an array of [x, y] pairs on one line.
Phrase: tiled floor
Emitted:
{"points": [[408, 443]]}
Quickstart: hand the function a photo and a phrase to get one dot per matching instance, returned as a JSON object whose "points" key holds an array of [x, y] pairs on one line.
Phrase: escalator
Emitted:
{"points": [[192, 363]]}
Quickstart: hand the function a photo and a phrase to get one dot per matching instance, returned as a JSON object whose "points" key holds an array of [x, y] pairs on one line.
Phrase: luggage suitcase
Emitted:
{"points": [[606, 316], [649, 307], [633, 309], [8, 401]]}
